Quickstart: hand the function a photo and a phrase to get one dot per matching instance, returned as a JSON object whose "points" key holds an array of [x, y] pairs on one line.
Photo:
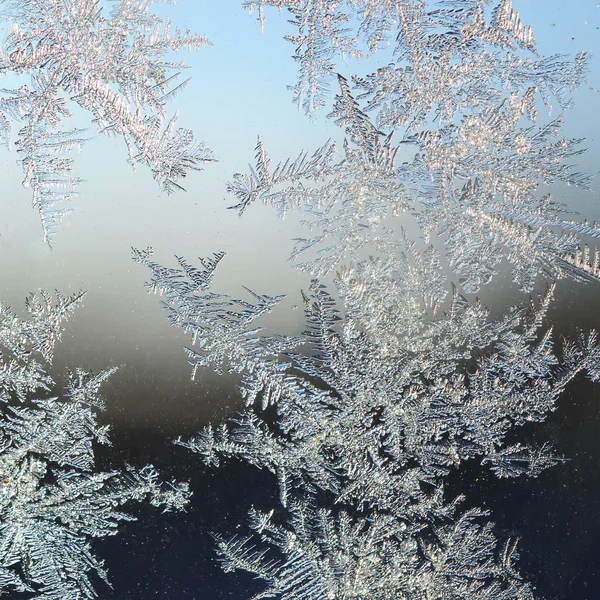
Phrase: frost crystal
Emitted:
{"points": [[448, 54], [466, 188], [399, 378], [369, 422], [110, 63], [460, 102], [52, 501]]}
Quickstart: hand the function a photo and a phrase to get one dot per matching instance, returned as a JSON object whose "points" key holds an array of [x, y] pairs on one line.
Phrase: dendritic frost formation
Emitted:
{"points": [[462, 96], [113, 64], [399, 378], [369, 422], [52, 500]]}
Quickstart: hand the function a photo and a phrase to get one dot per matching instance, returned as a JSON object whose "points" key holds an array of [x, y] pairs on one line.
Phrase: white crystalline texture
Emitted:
{"points": [[111, 59], [443, 45], [52, 500], [383, 406], [461, 95], [399, 378]]}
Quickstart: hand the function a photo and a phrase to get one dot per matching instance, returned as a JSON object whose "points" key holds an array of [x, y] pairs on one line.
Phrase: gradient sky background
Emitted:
{"points": [[237, 91]]}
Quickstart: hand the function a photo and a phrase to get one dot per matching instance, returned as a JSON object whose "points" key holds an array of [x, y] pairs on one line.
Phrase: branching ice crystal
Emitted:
{"points": [[399, 378], [327, 555], [370, 421], [466, 188], [26, 345], [462, 97], [52, 501], [222, 329], [452, 54], [445, 390], [322, 34], [112, 64]]}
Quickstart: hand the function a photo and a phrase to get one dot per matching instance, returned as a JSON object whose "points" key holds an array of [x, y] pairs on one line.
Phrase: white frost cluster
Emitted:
{"points": [[112, 63]]}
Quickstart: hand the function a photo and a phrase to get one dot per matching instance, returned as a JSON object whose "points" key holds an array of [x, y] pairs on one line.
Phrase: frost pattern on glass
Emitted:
{"points": [[369, 422], [329, 554], [52, 500], [446, 137], [446, 55], [113, 64], [469, 189], [399, 378], [222, 327], [322, 34]]}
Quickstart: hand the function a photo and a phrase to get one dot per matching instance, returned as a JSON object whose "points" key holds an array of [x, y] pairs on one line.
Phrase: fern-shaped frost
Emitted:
{"points": [[110, 60], [52, 500]]}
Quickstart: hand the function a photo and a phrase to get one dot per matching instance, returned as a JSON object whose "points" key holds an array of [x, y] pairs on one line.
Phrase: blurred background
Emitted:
{"points": [[238, 91]]}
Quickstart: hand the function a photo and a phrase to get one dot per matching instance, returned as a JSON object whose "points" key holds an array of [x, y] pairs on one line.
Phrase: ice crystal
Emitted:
{"points": [[52, 500], [444, 390], [322, 33], [399, 378], [448, 55], [385, 404], [27, 345], [109, 62], [327, 555], [222, 329], [466, 188], [460, 102]]}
